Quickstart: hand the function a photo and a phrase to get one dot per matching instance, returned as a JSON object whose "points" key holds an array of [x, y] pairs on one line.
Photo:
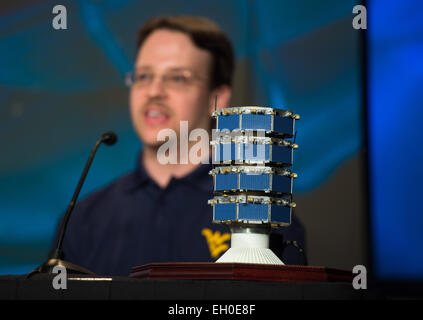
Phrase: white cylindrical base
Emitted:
{"points": [[250, 248], [250, 240]]}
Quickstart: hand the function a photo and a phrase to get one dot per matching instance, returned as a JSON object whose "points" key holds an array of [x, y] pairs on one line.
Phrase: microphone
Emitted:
{"points": [[109, 138], [55, 258]]}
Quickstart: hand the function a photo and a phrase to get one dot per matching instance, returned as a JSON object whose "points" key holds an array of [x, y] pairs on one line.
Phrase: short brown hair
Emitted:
{"points": [[205, 34]]}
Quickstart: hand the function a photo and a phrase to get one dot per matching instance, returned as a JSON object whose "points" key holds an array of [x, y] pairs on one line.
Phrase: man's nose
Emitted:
{"points": [[156, 87]]}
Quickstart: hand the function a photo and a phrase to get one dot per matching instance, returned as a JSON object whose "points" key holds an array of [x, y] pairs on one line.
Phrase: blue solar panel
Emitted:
{"points": [[252, 211]]}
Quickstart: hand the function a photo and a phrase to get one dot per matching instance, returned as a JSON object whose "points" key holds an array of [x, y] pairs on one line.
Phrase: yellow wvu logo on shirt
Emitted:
{"points": [[216, 241]]}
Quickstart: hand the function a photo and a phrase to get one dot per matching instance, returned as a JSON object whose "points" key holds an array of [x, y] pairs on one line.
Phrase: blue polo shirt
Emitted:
{"points": [[133, 221]]}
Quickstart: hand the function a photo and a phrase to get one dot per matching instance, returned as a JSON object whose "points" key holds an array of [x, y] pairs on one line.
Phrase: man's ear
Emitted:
{"points": [[220, 97]]}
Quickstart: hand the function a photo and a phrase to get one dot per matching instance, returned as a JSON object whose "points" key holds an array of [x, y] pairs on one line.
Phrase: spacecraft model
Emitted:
{"points": [[252, 156]]}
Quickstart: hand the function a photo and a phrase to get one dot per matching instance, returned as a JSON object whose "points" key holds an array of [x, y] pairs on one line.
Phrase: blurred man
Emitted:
{"points": [[159, 213]]}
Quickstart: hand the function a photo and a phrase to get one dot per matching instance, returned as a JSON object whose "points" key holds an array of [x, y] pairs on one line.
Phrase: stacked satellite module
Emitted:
{"points": [[252, 156]]}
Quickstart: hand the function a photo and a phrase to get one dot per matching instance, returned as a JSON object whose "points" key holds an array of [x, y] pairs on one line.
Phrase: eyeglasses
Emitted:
{"points": [[173, 79]]}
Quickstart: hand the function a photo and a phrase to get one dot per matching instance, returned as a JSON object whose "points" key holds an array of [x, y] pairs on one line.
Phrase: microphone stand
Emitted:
{"points": [[56, 257]]}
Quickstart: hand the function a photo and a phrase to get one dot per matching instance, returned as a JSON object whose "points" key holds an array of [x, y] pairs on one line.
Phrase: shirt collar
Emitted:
{"points": [[198, 177]]}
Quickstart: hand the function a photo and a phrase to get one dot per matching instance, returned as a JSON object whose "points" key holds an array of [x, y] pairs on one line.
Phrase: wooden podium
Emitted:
{"points": [[239, 271]]}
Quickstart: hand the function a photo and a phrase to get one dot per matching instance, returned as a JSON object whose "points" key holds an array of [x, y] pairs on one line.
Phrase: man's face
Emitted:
{"points": [[158, 102]]}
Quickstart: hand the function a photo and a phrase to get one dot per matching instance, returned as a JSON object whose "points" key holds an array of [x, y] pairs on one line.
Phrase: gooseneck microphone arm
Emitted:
{"points": [[56, 256], [108, 138]]}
